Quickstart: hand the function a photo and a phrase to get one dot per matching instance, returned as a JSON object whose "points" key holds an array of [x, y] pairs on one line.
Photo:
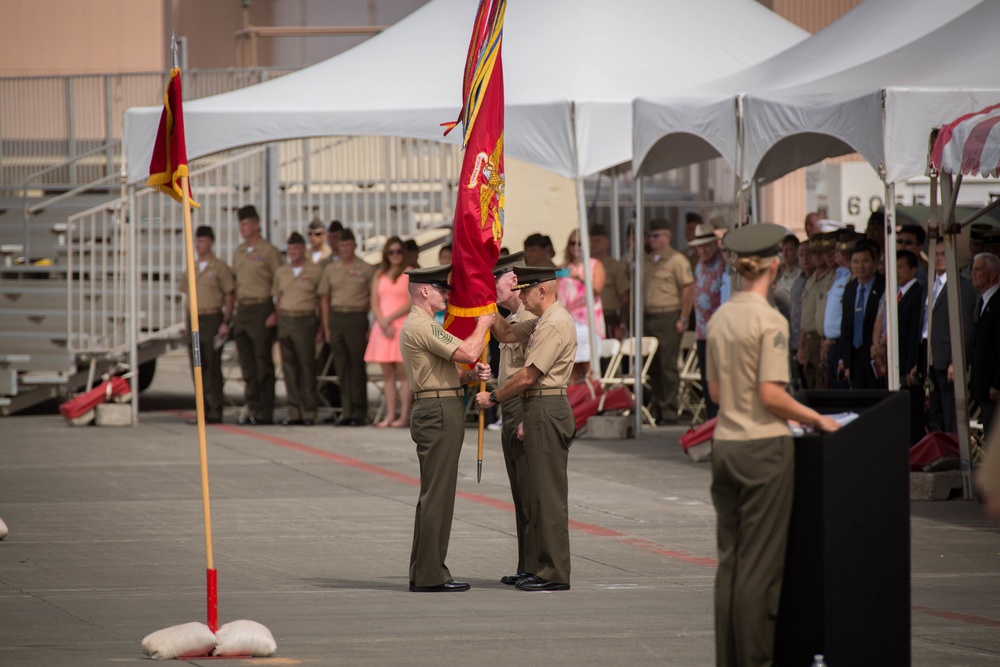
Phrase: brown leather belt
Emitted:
{"points": [[438, 393], [341, 311], [296, 313], [253, 302], [662, 311], [209, 311], [531, 393]]}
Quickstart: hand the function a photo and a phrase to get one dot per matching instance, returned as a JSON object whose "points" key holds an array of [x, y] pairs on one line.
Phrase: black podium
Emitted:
{"points": [[846, 587]]}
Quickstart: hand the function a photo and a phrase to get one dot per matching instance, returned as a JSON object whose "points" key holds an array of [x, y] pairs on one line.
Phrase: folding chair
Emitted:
{"points": [[647, 349], [325, 378], [377, 382], [690, 393]]}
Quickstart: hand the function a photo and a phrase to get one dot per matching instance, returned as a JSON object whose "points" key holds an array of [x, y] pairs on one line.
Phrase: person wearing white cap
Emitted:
{"points": [[707, 294]]}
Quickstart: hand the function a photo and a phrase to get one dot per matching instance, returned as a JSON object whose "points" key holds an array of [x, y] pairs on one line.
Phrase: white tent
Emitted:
{"points": [[703, 122], [572, 68]]}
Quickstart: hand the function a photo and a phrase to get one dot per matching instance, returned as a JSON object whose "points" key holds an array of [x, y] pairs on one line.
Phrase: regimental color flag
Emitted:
{"points": [[169, 162], [477, 233]]}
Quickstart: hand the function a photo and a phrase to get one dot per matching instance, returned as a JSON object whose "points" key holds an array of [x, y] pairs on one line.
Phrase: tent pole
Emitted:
{"points": [[616, 239], [637, 259], [133, 302], [955, 325], [891, 288], [588, 277]]}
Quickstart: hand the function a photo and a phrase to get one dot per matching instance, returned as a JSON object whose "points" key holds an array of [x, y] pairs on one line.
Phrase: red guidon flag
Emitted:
{"points": [[169, 161], [477, 233]]}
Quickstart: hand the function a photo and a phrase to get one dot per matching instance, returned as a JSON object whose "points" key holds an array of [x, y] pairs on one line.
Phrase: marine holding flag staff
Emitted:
{"points": [[437, 420], [753, 459]]}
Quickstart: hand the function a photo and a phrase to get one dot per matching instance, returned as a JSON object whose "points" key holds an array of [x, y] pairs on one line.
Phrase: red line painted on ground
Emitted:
{"points": [[956, 616], [488, 501]]}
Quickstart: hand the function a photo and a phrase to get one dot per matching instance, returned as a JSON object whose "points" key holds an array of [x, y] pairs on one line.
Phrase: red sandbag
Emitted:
{"points": [[699, 434], [103, 392], [933, 448], [585, 405]]}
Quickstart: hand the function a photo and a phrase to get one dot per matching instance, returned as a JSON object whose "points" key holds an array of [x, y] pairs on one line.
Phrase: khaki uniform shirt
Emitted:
{"points": [[823, 286], [615, 284], [321, 256], [348, 286], [255, 269], [212, 284], [427, 350], [551, 348], [663, 281], [747, 345], [512, 354], [296, 294], [810, 299]]}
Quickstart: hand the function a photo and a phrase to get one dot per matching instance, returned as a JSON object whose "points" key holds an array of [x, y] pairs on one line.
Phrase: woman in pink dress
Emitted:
{"points": [[390, 305], [572, 293]]}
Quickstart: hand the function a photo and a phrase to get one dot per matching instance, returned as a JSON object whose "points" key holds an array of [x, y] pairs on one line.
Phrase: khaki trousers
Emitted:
{"points": [[546, 454], [752, 484], [437, 428]]}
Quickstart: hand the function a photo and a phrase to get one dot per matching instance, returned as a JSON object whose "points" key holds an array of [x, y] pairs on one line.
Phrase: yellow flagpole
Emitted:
{"points": [[479, 459], [199, 397]]}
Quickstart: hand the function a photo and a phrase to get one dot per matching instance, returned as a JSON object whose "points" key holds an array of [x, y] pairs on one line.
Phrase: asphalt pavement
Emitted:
{"points": [[311, 530]]}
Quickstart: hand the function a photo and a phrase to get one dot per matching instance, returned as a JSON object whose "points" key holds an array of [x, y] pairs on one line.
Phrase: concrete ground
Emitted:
{"points": [[311, 536]]}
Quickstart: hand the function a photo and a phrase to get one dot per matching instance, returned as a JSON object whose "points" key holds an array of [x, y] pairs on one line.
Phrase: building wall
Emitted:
{"points": [[210, 28], [811, 15], [80, 37]]}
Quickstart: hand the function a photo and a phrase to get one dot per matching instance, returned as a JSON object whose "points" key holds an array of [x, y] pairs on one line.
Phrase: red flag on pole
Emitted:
{"points": [[477, 233], [169, 161]]}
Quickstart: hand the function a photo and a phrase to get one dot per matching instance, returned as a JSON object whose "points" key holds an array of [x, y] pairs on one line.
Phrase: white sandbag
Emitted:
{"points": [[245, 638], [189, 640], [3, 529]]}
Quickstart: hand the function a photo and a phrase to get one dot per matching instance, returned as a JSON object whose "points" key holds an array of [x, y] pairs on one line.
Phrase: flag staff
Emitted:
{"points": [[482, 423], [211, 577]]}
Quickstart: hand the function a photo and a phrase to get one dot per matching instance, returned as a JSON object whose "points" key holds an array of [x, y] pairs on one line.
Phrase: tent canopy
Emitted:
{"points": [[702, 123], [572, 69], [969, 144], [884, 109]]}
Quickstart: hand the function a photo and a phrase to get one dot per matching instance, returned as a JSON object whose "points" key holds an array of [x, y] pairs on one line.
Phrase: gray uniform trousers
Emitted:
{"points": [[254, 343], [664, 376], [752, 485], [547, 439], [513, 457], [297, 338], [211, 364], [348, 340], [437, 427]]}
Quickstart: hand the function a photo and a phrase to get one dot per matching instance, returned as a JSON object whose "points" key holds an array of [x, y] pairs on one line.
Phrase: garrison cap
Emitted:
{"points": [[597, 229], [820, 243], [316, 223], [979, 230], [530, 276], [204, 232], [535, 240], [346, 234], [248, 212], [704, 234], [432, 275], [508, 263], [760, 240], [827, 226], [658, 224], [294, 238], [848, 238]]}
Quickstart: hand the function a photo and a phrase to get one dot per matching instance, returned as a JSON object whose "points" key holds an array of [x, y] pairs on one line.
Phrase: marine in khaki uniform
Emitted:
{"points": [[295, 289], [437, 420], [668, 296], [810, 333], [216, 293], [254, 263], [549, 345], [753, 456], [345, 299], [511, 362]]}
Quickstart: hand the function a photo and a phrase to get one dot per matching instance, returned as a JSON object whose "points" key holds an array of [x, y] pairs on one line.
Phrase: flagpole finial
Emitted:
{"points": [[173, 46]]}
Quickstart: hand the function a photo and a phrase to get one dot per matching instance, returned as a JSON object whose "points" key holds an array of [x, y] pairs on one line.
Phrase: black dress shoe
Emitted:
{"points": [[354, 422], [253, 421], [539, 584], [291, 422], [450, 586], [515, 579], [331, 420]]}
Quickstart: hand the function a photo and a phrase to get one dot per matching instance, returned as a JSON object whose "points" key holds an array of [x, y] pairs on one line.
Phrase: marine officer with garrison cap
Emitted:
{"points": [[215, 287], [549, 347], [295, 288], [254, 263], [437, 420], [511, 363], [753, 458]]}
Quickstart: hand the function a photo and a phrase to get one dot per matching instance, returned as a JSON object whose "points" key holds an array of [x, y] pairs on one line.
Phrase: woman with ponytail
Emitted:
{"points": [[753, 454]]}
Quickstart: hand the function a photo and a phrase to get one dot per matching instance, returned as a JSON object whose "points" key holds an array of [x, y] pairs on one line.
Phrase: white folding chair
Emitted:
{"points": [[377, 382], [690, 393], [325, 378], [647, 349]]}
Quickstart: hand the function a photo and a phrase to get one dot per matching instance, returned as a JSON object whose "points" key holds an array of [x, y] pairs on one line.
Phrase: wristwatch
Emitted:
{"points": [[493, 398]]}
